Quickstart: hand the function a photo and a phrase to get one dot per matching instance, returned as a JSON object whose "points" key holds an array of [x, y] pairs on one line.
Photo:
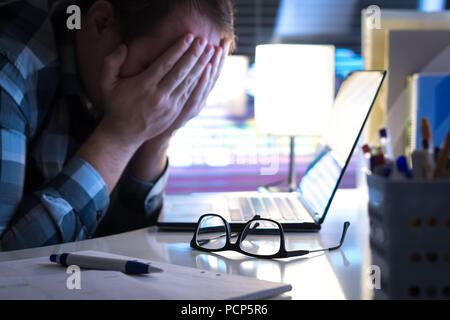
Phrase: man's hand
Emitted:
{"points": [[150, 160], [200, 91], [142, 107]]}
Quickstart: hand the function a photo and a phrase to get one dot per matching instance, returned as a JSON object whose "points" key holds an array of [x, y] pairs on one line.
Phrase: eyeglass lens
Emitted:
{"points": [[211, 233], [261, 237]]}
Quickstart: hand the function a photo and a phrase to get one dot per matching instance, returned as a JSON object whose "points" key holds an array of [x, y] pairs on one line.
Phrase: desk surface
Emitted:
{"points": [[338, 274]]}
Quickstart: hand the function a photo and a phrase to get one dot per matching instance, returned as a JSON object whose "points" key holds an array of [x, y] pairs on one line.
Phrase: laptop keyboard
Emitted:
{"points": [[279, 209]]}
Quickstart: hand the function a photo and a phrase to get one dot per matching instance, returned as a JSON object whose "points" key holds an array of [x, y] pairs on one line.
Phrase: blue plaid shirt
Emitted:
{"points": [[47, 194]]}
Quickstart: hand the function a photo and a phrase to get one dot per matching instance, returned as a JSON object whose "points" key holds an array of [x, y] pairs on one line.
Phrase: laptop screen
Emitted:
{"points": [[349, 115]]}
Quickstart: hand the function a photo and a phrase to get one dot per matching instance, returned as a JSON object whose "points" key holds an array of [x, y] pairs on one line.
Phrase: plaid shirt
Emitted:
{"points": [[47, 194]]}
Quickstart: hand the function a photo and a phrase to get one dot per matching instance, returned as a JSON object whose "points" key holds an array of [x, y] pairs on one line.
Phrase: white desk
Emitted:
{"points": [[340, 274]]}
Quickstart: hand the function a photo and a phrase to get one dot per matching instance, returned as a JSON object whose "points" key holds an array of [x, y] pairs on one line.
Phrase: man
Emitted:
{"points": [[86, 115]]}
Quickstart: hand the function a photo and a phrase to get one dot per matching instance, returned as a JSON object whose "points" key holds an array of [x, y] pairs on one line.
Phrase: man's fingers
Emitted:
{"points": [[215, 71], [219, 62], [187, 63], [192, 88], [190, 101], [226, 51], [196, 99], [195, 73], [111, 66], [159, 69]]}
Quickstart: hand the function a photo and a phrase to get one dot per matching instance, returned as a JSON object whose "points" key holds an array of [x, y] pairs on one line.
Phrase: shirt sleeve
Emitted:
{"points": [[134, 204], [69, 208]]}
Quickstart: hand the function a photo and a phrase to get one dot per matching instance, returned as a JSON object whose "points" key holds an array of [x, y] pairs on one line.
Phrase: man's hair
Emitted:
{"points": [[137, 18]]}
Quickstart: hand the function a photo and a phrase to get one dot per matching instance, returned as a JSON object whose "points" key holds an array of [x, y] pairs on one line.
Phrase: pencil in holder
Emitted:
{"points": [[410, 237]]}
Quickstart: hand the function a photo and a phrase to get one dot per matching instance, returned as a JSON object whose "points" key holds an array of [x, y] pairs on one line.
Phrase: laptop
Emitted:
{"points": [[305, 209]]}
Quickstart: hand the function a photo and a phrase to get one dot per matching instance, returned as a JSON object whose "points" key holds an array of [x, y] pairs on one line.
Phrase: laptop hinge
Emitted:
{"points": [[313, 214], [322, 219]]}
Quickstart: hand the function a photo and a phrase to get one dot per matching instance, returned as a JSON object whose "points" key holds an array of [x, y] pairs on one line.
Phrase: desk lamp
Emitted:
{"points": [[294, 92]]}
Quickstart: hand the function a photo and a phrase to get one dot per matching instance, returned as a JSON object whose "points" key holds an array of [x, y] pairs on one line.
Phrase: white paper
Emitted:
{"points": [[40, 279]]}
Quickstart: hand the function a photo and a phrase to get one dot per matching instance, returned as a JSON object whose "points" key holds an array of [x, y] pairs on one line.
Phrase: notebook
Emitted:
{"points": [[39, 279]]}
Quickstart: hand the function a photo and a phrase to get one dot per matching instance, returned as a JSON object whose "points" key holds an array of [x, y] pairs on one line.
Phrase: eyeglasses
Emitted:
{"points": [[259, 238]]}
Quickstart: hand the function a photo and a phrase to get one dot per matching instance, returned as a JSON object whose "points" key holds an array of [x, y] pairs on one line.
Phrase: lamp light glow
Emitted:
{"points": [[294, 88], [230, 91]]}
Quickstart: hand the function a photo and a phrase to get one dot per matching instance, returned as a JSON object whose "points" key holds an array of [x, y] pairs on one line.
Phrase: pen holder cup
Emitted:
{"points": [[410, 237]]}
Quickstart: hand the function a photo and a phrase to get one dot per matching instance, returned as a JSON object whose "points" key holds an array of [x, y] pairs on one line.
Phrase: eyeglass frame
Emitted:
{"points": [[282, 252]]}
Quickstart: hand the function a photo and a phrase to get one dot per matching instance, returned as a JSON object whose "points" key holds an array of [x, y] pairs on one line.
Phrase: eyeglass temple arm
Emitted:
{"points": [[344, 232], [246, 230], [303, 252], [297, 253]]}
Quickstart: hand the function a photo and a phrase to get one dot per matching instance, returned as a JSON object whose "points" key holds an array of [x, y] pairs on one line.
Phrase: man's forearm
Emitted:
{"points": [[150, 160], [108, 154]]}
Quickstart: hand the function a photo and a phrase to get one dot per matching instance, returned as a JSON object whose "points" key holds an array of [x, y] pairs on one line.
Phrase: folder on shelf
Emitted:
{"points": [[410, 52], [430, 99], [375, 50]]}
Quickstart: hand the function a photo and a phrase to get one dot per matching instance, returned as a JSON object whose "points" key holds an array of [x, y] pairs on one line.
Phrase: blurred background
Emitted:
{"points": [[222, 150]]}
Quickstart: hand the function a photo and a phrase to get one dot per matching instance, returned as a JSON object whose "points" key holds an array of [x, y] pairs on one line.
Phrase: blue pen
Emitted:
{"points": [[402, 167], [113, 264]]}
